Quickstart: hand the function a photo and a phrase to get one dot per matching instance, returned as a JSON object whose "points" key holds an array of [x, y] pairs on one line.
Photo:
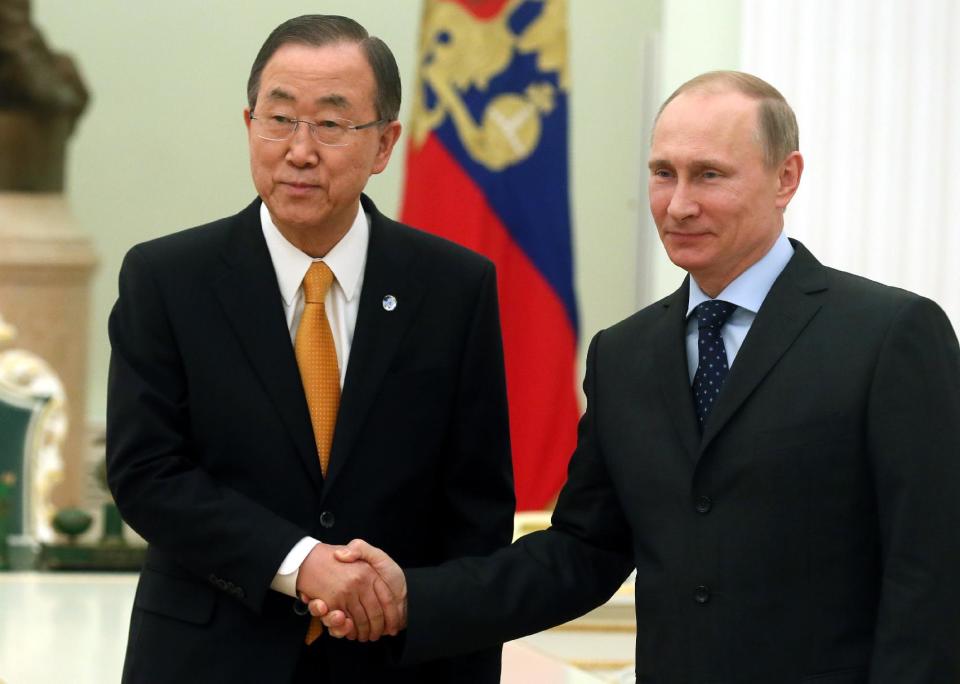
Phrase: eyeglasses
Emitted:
{"points": [[330, 132]]}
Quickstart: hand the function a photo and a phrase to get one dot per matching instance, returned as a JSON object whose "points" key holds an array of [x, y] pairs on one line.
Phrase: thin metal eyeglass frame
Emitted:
{"points": [[314, 128]]}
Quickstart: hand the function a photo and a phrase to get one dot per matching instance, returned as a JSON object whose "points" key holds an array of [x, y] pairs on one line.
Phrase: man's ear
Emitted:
{"points": [[388, 138], [788, 179]]}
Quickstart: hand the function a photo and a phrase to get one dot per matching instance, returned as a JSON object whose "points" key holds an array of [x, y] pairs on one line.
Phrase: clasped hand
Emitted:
{"points": [[356, 590]]}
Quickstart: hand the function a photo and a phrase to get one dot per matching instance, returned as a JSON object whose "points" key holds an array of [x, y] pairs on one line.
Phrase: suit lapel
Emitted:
{"points": [[671, 355], [786, 311], [250, 296], [389, 271]]}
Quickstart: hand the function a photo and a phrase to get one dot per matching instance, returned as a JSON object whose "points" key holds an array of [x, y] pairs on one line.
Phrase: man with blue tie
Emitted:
{"points": [[775, 446]]}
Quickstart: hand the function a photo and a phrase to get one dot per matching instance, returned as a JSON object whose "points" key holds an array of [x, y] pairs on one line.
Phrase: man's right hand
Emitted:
{"points": [[354, 589], [390, 588]]}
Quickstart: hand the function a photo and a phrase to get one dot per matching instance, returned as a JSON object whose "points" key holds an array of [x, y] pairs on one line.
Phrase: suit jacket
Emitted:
{"points": [[809, 534], [211, 455]]}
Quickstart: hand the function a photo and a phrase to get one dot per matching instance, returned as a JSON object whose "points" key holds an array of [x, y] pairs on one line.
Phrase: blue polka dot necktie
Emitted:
{"points": [[712, 368]]}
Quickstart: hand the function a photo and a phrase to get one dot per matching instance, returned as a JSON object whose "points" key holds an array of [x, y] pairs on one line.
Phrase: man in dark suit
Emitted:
{"points": [[775, 447], [230, 447]]}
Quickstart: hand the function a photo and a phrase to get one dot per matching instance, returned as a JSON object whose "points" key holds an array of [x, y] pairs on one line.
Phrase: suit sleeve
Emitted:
{"points": [[914, 441], [477, 486], [544, 579], [153, 465], [477, 489]]}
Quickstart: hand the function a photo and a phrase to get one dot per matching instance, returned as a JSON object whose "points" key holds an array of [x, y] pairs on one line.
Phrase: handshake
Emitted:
{"points": [[357, 590]]}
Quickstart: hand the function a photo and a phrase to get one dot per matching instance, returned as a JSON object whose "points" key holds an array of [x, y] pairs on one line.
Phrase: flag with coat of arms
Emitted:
{"points": [[487, 168]]}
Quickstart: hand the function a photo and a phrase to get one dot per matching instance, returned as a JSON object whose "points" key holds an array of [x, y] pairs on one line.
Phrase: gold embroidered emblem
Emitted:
{"points": [[458, 51]]}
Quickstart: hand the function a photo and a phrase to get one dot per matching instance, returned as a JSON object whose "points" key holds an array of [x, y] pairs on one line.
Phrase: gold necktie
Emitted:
{"points": [[317, 359], [320, 374]]}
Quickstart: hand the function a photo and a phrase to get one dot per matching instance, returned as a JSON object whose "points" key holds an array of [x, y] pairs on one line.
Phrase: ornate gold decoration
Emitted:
{"points": [[26, 375], [458, 51], [7, 331]]}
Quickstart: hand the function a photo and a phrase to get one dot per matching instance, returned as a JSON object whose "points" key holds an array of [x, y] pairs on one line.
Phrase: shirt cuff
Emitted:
{"points": [[285, 581]]}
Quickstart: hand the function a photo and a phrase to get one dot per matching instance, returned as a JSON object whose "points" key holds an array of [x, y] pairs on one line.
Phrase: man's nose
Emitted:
{"points": [[302, 149], [683, 204]]}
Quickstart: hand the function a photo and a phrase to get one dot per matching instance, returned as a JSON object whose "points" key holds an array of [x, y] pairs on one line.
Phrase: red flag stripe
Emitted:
{"points": [[539, 343]]}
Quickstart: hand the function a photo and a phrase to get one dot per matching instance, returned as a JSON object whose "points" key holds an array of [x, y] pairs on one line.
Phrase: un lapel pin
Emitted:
{"points": [[389, 303]]}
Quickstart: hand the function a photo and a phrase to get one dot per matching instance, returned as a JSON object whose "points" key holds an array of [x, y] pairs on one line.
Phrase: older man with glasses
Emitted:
{"points": [[295, 376]]}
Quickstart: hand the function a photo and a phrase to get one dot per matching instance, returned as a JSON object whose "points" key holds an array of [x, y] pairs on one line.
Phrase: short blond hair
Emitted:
{"points": [[777, 130]]}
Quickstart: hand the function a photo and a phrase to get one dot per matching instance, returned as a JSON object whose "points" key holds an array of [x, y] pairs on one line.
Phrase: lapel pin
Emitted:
{"points": [[389, 303]]}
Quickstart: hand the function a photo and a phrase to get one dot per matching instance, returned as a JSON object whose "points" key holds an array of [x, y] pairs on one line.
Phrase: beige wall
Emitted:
{"points": [[162, 146]]}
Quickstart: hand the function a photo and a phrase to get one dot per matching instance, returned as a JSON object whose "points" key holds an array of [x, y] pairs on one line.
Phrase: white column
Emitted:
{"points": [[875, 87]]}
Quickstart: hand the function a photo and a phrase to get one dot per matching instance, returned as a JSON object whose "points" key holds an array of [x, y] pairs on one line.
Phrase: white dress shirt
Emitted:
{"points": [[348, 261], [747, 291]]}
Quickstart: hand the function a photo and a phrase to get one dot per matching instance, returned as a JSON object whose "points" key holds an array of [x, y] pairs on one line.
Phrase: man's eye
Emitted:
{"points": [[280, 119], [662, 173], [711, 174], [327, 123]]}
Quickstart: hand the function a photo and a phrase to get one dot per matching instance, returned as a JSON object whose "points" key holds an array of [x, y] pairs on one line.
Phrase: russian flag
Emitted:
{"points": [[487, 167]]}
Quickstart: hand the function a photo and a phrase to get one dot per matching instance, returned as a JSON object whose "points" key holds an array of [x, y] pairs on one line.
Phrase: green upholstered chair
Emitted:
{"points": [[19, 416], [32, 427]]}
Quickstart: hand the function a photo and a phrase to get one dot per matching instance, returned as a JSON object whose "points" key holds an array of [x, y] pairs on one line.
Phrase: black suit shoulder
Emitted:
{"points": [[196, 246], [857, 292], [648, 314], [847, 293], [187, 240], [871, 309], [641, 327], [442, 255]]}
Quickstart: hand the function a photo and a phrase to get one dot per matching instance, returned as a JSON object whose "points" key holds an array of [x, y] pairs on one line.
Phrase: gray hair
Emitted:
{"points": [[319, 30]]}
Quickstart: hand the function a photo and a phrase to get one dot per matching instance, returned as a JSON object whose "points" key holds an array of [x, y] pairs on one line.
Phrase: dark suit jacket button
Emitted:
{"points": [[222, 584], [327, 520], [211, 578], [703, 504], [701, 594]]}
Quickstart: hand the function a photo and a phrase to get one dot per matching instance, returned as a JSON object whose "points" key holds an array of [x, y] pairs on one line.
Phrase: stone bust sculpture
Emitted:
{"points": [[41, 98]]}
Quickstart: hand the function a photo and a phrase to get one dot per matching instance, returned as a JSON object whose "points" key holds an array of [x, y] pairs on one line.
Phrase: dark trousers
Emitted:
{"points": [[312, 667]]}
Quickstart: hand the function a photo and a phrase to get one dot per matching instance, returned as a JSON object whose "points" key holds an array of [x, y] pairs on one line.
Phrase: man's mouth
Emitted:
{"points": [[299, 187], [687, 234]]}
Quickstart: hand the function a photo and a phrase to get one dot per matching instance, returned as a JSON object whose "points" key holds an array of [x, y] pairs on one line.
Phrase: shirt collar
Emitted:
{"points": [[346, 259], [750, 288]]}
